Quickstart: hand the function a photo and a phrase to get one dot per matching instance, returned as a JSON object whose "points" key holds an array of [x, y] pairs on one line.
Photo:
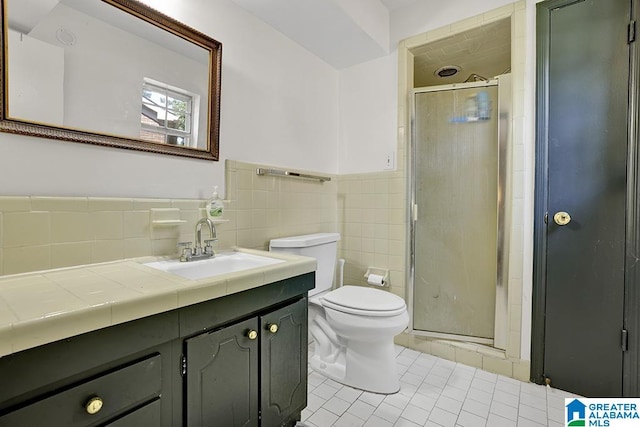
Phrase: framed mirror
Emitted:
{"points": [[115, 73]]}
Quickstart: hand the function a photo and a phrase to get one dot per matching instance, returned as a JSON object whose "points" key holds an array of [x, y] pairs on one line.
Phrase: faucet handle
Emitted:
{"points": [[208, 249], [185, 250]]}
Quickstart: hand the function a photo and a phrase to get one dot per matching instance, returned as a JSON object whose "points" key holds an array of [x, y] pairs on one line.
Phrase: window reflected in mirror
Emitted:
{"points": [[109, 72], [167, 115]]}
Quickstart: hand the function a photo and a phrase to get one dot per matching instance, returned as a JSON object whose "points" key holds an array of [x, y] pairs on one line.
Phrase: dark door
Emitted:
{"points": [[222, 377], [588, 75], [284, 363]]}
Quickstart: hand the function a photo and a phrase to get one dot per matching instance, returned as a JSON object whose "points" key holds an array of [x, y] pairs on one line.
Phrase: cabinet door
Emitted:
{"points": [[284, 363], [222, 377]]}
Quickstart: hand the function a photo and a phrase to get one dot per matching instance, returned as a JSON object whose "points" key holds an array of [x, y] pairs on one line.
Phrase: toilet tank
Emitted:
{"points": [[321, 246]]}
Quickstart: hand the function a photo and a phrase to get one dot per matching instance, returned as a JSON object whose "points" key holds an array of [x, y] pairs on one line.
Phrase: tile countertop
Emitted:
{"points": [[45, 306]]}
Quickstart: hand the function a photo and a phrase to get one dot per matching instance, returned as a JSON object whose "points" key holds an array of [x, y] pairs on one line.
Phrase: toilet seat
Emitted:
{"points": [[364, 301]]}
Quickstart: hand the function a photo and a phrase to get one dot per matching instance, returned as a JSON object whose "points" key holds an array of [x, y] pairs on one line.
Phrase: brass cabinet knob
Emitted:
{"points": [[94, 405], [252, 335], [272, 327], [562, 218]]}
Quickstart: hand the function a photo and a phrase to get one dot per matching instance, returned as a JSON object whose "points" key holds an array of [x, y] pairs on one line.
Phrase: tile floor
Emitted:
{"points": [[435, 393]]}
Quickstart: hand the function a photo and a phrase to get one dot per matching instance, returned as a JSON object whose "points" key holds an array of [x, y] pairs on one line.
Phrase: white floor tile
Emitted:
{"points": [[498, 421], [483, 384], [533, 389], [460, 381], [315, 402], [430, 390], [487, 376], [416, 414], [377, 422], [408, 389], [436, 380], [348, 394], [315, 379], [555, 414], [404, 360], [403, 422], [442, 417], [508, 386], [476, 408], [479, 395], [435, 393], [467, 419], [336, 405], [322, 418], [506, 398], [325, 391], [372, 398], [388, 412], [537, 415], [533, 401], [361, 409], [504, 411], [398, 400], [306, 413], [412, 378], [348, 420], [448, 404], [456, 393], [523, 422]]}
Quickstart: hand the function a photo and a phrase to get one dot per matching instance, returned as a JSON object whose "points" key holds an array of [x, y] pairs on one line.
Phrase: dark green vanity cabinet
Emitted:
{"points": [[127, 367], [194, 366], [250, 373]]}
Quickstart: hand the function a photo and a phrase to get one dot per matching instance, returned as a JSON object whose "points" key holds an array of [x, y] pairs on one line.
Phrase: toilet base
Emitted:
{"points": [[355, 367]]}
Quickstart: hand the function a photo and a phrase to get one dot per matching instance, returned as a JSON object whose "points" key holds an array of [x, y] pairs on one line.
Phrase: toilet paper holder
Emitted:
{"points": [[377, 276]]}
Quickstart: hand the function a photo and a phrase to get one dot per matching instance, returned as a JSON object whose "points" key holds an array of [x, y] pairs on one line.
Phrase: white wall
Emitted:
{"points": [[279, 107], [368, 115], [36, 72], [368, 92]]}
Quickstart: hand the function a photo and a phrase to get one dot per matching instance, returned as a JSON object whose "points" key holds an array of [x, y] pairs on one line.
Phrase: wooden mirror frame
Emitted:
{"points": [[161, 21]]}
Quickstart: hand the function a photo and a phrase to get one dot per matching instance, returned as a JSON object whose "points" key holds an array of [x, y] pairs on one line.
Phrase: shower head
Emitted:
{"points": [[473, 77]]}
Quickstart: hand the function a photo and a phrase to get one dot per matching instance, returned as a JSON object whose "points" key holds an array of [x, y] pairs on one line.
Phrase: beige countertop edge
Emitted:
{"points": [[19, 333]]}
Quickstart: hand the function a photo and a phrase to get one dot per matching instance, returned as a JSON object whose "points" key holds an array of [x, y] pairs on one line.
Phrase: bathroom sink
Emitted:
{"points": [[225, 262]]}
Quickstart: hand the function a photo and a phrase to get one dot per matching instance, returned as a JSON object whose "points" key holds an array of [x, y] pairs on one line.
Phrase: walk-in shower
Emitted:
{"points": [[460, 206]]}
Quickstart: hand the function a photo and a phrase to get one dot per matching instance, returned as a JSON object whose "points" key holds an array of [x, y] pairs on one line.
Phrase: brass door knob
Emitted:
{"points": [[272, 327], [252, 335], [562, 218], [94, 405]]}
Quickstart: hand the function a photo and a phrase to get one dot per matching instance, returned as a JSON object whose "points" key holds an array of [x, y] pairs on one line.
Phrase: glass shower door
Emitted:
{"points": [[456, 229]]}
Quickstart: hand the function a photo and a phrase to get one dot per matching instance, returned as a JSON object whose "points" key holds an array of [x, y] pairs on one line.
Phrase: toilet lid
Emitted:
{"points": [[365, 301]]}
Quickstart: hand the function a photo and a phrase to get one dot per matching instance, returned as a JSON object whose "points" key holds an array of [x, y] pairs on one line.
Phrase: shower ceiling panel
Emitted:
{"points": [[484, 50]]}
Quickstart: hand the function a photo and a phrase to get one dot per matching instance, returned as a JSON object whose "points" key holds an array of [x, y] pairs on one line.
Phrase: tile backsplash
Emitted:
{"points": [[262, 207], [38, 233]]}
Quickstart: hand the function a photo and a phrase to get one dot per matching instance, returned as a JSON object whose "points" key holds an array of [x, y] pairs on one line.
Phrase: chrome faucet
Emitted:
{"points": [[189, 254]]}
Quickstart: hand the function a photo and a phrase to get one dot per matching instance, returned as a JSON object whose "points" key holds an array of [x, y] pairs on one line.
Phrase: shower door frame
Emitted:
{"points": [[501, 330]]}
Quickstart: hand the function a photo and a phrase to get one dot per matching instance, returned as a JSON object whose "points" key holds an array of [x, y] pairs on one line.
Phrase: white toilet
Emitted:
{"points": [[352, 326]]}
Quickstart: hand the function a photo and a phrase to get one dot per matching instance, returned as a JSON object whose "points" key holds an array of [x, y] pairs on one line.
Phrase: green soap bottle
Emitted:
{"points": [[215, 207]]}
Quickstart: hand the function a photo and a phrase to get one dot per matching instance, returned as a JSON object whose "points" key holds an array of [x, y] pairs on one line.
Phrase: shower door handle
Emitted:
{"points": [[562, 218]]}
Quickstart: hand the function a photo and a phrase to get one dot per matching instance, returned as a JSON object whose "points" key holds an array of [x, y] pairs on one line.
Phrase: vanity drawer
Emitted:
{"points": [[120, 390]]}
